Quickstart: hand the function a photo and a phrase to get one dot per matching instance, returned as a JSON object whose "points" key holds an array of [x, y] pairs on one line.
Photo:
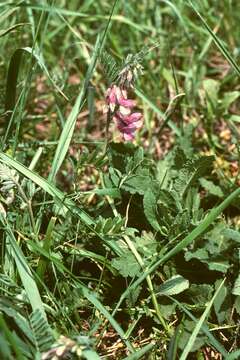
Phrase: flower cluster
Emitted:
{"points": [[121, 108]]}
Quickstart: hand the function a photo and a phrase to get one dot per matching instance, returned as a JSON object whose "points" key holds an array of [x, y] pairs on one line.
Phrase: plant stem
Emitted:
{"points": [[149, 282]]}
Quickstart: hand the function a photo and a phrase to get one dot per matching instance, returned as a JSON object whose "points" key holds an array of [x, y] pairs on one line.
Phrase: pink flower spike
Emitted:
{"points": [[135, 116], [128, 128], [128, 137], [124, 110], [127, 103], [111, 96], [130, 118], [126, 121]]}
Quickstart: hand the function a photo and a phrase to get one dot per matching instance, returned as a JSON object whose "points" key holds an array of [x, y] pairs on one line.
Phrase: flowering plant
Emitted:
{"points": [[118, 106]]}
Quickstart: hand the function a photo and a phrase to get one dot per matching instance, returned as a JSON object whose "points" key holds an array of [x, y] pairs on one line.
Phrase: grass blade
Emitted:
{"points": [[12, 77], [107, 315], [69, 125], [24, 271], [219, 44], [140, 353], [199, 325], [60, 196], [204, 329]]}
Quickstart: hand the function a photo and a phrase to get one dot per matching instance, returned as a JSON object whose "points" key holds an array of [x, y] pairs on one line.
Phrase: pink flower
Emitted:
{"points": [[121, 108]]}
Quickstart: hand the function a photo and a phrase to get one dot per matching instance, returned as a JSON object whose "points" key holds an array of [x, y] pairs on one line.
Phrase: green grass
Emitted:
{"points": [[111, 249]]}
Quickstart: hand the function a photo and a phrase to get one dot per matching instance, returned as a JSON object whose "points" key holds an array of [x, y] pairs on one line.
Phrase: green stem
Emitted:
{"points": [[149, 282], [29, 205], [107, 131]]}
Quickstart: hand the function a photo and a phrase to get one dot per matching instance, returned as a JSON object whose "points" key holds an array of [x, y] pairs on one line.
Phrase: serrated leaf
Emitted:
{"points": [[211, 187], [168, 199], [185, 142], [215, 263], [147, 244], [150, 208], [137, 184], [192, 170], [173, 286], [127, 265], [135, 161], [115, 176], [235, 355]]}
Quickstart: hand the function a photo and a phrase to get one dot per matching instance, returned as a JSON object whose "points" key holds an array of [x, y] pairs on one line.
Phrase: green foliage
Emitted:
{"points": [[173, 286], [211, 188], [119, 249], [190, 173], [127, 265], [42, 333]]}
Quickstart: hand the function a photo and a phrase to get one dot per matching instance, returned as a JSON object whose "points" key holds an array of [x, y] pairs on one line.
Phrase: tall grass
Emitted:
{"points": [[111, 249]]}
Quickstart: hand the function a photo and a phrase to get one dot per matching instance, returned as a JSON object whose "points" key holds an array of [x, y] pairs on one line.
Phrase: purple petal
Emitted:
{"points": [[128, 137], [128, 119], [111, 95], [124, 111], [127, 103]]}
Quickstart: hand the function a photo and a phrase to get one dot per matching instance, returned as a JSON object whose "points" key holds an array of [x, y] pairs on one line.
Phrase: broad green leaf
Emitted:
{"points": [[24, 271], [194, 234], [200, 294], [150, 208], [235, 355], [211, 88], [235, 118], [192, 171], [127, 265], [219, 265], [137, 183], [204, 328], [211, 187], [231, 234], [237, 305], [229, 98], [90, 355], [173, 286]]}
